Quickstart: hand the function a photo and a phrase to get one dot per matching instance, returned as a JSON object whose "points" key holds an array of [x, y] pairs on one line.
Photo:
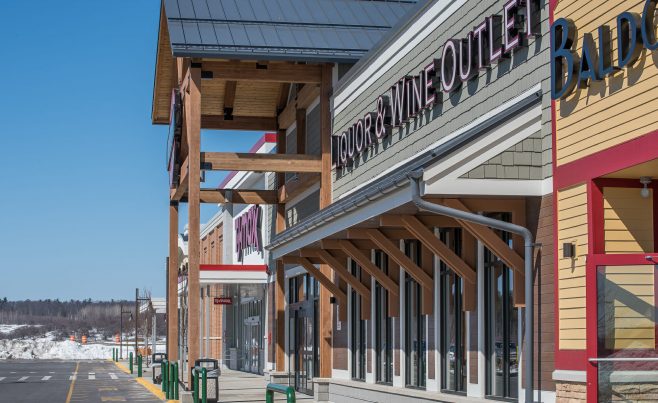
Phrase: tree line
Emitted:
{"points": [[73, 317]]}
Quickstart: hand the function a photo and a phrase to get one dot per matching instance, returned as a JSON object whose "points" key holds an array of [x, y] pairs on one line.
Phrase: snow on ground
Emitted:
{"points": [[48, 348], [10, 328]]}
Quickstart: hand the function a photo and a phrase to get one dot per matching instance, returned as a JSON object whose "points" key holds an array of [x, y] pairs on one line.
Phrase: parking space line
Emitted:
{"points": [[68, 397]]}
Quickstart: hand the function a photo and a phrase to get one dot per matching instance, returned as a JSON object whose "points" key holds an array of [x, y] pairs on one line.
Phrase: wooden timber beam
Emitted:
{"points": [[239, 196], [180, 191], [393, 251], [297, 186], [305, 98], [364, 261], [270, 72], [218, 161], [490, 239], [433, 243], [317, 274], [220, 122]]}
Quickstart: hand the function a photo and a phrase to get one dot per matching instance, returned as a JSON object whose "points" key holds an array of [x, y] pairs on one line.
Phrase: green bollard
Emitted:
{"points": [[139, 366], [171, 380], [194, 387], [204, 385], [175, 381], [130, 363], [163, 376]]}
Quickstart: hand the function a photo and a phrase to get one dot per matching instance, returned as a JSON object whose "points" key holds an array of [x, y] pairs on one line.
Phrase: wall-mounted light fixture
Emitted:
{"points": [[568, 250], [646, 181]]}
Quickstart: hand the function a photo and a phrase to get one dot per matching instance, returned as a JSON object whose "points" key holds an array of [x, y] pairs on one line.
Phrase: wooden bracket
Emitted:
{"points": [[440, 249], [364, 261], [317, 274], [393, 251]]}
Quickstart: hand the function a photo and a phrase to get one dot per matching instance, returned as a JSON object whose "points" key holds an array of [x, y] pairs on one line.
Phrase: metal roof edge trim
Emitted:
{"points": [[155, 68], [260, 56], [377, 189]]}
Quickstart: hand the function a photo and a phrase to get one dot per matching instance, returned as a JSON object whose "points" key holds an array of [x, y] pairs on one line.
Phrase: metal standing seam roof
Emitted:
{"points": [[300, 30]]}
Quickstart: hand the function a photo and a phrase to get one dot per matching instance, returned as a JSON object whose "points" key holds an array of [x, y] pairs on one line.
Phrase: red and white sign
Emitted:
{"points": [[223, 301]]}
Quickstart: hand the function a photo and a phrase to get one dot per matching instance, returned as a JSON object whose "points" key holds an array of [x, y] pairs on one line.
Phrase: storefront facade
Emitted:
{"points": [[454, 105], [603, 84]]}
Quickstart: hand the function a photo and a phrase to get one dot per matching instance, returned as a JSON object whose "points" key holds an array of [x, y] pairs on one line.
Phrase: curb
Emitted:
{"points": [[146, 384]]}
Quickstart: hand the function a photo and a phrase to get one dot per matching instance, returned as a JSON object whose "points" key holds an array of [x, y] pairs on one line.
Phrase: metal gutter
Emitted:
{"points": [[385, 186], [415, 179]]}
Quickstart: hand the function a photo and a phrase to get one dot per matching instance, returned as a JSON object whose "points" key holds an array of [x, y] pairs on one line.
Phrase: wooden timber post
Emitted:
{"points": [[172, 284], [325, 311], [193, 129], [279, 289]]}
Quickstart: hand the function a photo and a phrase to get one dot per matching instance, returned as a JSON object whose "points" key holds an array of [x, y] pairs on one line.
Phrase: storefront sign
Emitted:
{"points": [[461, 60], [635, 32], [223, 301], [248, 232]]}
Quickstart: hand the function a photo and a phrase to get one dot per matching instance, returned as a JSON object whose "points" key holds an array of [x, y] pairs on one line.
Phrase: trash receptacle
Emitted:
{"points": [[212, 366], [156, 368]]}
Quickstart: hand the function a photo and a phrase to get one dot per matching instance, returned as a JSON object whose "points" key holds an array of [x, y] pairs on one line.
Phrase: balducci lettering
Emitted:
{"points": [[635, 32]]}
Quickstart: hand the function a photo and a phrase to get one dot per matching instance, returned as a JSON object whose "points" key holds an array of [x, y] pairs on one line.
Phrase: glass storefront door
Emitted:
{"points": [[502, 348], [252, 345], [627, 360], [415, 337], [303, 321], [453, 321], [383, 328], [357, 330], [501, 325]]}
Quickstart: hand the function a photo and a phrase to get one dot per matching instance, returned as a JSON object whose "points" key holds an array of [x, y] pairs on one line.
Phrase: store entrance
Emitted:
{"points": [[251, 348], [303, 352]]}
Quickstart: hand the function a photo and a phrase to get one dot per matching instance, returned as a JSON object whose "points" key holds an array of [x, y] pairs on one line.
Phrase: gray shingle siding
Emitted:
{"points": [[521, 161], [510, 78], [302, 209], [313, 146]]}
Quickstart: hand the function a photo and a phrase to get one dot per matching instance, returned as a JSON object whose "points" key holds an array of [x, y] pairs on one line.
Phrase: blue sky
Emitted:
{"points": [[84, 197]]}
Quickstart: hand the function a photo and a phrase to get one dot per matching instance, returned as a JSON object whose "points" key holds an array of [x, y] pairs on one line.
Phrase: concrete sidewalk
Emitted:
{"points": [[236, 386], [146, 379]]}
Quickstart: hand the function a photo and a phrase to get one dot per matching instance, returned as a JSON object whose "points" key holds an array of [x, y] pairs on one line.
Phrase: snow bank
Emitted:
{"points": [[10, 328], [47, 348]]}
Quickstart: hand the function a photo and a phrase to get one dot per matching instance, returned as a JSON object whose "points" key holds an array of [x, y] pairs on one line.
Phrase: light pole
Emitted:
{"points": [[121, 330], [137, 301]]}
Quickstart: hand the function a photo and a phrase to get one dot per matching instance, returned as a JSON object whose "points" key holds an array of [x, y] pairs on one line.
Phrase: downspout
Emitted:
{"points": [[415, 178]]}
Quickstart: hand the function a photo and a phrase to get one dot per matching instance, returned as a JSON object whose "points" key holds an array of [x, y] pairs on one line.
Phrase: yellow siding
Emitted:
{"points": [[628, 221], [615, 110], [629, 306], [572, 228]]}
